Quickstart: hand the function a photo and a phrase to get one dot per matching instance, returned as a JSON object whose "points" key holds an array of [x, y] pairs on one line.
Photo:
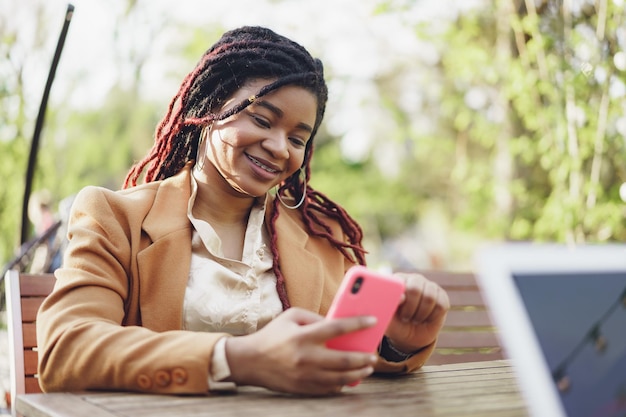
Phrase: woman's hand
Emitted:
{"points": [[420, 315], [289, 354]]}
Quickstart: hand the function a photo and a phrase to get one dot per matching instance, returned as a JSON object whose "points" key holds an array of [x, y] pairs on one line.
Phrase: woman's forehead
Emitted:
{"points": [[250, 90]]}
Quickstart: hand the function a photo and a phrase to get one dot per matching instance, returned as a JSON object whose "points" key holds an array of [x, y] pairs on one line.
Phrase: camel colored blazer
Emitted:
{"points": [[114, 319]]}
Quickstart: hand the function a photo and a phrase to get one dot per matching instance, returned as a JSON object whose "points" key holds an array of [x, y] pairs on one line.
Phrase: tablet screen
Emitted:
{"points": [[580, 323]]}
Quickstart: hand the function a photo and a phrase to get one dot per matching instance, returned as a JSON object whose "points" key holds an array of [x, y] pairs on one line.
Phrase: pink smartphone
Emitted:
{"points": [[365, 292]]}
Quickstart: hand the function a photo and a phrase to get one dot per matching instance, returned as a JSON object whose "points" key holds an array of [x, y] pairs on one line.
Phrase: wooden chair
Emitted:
{"points": [[469, 334], [24, 294]]}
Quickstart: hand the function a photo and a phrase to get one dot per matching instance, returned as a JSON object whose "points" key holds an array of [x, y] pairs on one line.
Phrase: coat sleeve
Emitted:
{"points": [[81, 333]]}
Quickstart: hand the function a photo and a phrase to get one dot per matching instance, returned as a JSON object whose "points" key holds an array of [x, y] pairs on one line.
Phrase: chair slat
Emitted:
{"points": [[36, 285], [463, 318], [447, 279], [30, 362], [32, 385], [465, 298], [29, 335], [467, 339], [30, 306]]}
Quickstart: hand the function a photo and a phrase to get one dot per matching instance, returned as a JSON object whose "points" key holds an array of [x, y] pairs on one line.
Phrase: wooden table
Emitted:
{"points": [[478, 389]]}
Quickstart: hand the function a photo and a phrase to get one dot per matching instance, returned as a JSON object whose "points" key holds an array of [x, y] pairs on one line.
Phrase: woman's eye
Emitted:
{"points": [[297, 141], [261, 121]]}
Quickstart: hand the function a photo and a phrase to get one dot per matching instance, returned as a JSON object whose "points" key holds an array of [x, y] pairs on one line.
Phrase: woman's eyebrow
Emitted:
{"points": [[278, 112]]}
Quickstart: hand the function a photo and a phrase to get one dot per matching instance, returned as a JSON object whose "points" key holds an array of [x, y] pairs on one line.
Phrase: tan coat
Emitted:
{"points": [[114, 318]]}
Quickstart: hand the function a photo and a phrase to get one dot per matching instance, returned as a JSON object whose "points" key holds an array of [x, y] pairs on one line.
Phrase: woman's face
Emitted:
{"points": [[259, 147]]}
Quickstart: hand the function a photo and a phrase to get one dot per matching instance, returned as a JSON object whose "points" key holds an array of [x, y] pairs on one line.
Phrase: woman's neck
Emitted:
{"points": [[217, 203], [225, 210]]}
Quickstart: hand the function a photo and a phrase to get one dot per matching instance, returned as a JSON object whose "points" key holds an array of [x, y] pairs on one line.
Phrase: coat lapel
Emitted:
{"points": [[303, 271], [164, 264]]}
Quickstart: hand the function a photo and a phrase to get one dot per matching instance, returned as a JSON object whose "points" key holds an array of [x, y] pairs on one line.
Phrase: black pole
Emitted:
{"points": [[34, 147]]}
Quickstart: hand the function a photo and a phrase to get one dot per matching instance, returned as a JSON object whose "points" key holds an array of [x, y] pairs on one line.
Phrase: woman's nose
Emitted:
{"points": [[277, 145]]}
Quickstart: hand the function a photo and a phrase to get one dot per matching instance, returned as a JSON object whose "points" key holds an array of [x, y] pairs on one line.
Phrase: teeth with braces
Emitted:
{"points": [[265, 167]]}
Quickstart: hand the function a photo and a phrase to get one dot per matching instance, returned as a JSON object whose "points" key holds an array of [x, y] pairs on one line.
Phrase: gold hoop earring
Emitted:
{"points": [[200, 161], [303, 175]]}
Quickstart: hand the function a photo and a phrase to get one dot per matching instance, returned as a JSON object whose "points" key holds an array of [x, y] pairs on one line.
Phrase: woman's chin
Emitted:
{"points": [[253, 192]]}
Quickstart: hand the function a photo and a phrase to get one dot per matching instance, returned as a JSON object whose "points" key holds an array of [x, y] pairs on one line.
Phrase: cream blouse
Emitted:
{"points": [[227, 295]]}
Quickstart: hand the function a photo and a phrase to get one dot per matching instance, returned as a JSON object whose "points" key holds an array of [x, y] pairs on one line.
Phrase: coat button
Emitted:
{"points": [[162, 378], [179, 376], [144, 381]]}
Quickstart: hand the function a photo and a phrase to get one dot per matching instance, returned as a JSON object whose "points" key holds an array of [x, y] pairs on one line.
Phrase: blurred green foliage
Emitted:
{"points": [[550, 167]]}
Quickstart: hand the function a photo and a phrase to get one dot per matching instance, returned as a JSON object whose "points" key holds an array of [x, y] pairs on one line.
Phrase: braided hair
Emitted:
{"points": [[239, 56]]}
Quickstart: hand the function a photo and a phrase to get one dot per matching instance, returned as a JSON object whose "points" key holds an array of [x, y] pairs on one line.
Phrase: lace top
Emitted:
{"points": [[226, 295]]}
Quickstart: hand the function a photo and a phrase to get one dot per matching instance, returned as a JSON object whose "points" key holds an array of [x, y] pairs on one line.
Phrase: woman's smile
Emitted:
{"points": [[264, 165]]}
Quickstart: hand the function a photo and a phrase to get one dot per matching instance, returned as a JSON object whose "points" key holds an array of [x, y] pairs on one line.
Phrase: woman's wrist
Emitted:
{"points": [[237, 355], [392, 353]]}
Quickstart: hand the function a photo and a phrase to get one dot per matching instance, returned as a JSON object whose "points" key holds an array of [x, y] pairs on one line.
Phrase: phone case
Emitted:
{"points": [[377, 295]]}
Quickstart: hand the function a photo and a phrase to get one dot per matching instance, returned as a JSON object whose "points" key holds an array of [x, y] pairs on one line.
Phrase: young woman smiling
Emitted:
{"points": [[218, 269]]}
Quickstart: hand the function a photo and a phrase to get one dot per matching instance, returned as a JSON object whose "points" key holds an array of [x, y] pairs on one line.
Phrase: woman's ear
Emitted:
{"points": [[201, 151]]}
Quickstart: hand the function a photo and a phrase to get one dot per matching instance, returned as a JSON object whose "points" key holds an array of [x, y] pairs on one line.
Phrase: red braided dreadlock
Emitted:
{"points": [[242, 55]]}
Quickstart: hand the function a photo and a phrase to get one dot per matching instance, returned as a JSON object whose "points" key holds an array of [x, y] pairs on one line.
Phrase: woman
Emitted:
{"points": [[159, 277]]}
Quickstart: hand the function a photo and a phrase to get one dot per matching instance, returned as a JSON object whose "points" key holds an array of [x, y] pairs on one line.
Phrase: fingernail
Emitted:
{"points": [[373, 359], [370, 320], [405, 319]]}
